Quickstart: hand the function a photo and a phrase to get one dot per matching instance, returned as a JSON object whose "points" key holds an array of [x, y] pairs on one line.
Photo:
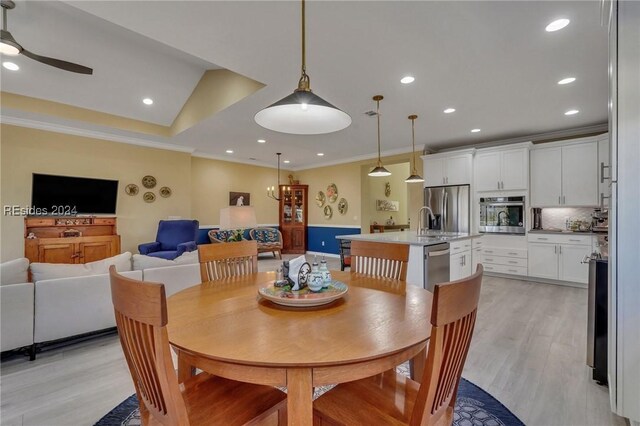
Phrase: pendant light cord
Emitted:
{"points": [[378, 117], [304, 84], [413, 144]]}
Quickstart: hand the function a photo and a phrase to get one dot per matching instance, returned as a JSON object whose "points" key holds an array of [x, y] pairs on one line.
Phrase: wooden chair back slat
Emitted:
{"points": [[382, 260], [453, 319], [218, 261], [141, 317]]}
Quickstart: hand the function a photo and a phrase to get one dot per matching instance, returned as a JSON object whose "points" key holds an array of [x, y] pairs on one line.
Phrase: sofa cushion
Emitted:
{"points": [[14, 271], [228, 235], [50, 271], [265, 235], [140, 261]]}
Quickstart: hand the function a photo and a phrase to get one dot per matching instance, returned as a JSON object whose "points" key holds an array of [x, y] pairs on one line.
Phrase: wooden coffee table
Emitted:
{"points": [[225, 329]]}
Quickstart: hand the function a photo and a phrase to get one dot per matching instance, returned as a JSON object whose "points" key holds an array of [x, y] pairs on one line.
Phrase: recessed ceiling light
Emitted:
{"points": [[571, 112], [262, 141], [320, 154], [229, 151], [286, 161], [475, 130], [449, 110], [556, 25], [567, 80], [147, 101], [11, 66], [407, 79]]}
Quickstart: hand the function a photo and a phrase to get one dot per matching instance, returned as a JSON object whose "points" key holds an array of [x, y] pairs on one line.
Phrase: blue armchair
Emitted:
{"points": [[174, 238]]}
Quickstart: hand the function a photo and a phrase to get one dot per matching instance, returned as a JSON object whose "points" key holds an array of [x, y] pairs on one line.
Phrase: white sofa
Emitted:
{"points": [[16, 305], [71, 300]]}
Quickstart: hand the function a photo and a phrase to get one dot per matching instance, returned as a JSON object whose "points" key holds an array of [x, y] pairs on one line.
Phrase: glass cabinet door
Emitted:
{"points": [[298, 199], [287, 206]]}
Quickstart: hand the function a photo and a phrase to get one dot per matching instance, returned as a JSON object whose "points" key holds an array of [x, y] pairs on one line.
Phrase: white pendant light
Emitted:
{"points": [[379, 170], [303, 112], [415, 177]]}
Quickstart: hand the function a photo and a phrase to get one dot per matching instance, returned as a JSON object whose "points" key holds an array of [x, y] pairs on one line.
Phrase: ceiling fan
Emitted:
{"points": [[9, 46]]}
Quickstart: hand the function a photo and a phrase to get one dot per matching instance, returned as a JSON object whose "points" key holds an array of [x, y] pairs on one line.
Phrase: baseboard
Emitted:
{"points": [[536, 279]]}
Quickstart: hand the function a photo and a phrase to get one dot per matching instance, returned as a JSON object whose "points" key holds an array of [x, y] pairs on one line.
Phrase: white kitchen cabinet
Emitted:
{"points": [[460, 261], [543, 260], [460, 265], [580, 174], [447, 169], [501, 170], [570, 262], [546, 177], [565, 175], [559, 257], [433, 171]]}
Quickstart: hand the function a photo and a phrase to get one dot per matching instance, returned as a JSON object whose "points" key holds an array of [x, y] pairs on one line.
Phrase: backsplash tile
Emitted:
{"points": [[556, 217]]}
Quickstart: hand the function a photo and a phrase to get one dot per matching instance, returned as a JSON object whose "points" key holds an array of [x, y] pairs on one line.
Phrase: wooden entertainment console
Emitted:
{"points": [[70, 239]]}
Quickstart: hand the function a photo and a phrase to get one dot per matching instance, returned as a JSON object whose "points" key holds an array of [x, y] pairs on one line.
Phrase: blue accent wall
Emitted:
{"points": [[317, 234]]}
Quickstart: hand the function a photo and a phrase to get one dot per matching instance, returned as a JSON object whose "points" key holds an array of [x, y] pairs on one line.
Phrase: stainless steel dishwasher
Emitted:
{"points": [[436, 265]]}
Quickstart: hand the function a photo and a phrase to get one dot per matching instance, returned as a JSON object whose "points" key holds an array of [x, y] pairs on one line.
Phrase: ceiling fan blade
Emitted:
{"points": [[63, 65]]}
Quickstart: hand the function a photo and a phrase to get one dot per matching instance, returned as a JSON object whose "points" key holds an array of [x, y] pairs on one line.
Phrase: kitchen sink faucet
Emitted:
{"points": [[421, 229]]}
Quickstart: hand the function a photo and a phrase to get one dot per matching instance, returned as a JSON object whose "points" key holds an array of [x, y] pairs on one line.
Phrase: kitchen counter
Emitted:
{"points": [[410, 237], [547, 231]]}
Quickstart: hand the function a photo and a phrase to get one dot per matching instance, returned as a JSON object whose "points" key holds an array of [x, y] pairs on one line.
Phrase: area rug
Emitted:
{"points": [[474, 407]]}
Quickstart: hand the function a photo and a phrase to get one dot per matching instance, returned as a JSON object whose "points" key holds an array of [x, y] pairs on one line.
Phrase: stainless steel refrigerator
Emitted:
{"points": [[450, 206]]}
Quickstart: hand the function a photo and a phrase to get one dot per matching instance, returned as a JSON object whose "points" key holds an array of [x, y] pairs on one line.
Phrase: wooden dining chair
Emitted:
{"points": [[345, 254], [218, 261], [380, 260], [393, 399], [141, 317]]}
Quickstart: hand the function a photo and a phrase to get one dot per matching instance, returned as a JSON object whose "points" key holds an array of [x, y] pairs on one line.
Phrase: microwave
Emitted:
{"points": [[502, 215]]}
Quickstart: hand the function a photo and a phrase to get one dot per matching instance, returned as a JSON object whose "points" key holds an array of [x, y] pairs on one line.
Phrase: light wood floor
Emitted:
{"points": [[528, 351]]}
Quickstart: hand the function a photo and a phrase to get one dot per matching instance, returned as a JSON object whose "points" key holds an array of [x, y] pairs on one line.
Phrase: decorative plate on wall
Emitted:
{"points": [[332, 193], [149, 182], [165, 192], [320, 199], [328, 212], [343, 206], [149, 197], [131, 189]]}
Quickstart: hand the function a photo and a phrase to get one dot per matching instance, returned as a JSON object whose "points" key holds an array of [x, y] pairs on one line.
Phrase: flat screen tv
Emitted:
{"points": [[65, 195]]}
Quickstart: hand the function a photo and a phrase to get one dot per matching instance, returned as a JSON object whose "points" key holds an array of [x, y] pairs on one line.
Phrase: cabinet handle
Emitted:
{"points": [[542, 239], [602, 176], [564, 200], [488, 260], [488, 251], [513, 263], [560, 249], [513, 254], [555, 249], [602, 197], [498, 184], [512, 270], [572, 239]]}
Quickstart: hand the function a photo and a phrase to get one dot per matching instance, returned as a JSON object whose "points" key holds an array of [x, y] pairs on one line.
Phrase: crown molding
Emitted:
{"points": [[93, 134], [237, 160]]}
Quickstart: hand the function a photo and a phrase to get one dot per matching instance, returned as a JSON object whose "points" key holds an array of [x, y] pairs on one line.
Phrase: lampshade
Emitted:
{"points": [[237, 217], [414, 179], [379, 171], [303, 112]]}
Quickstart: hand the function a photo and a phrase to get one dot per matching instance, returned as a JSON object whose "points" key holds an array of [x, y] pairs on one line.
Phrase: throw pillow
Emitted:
{"points": [[14, 271], [49, 271]]}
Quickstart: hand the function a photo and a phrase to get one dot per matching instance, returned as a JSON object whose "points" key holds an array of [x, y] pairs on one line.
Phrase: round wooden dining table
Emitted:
{"points": [[224, 328]]}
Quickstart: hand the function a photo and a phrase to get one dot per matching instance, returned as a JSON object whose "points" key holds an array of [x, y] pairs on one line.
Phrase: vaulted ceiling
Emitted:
{"points": [[491, 61]]}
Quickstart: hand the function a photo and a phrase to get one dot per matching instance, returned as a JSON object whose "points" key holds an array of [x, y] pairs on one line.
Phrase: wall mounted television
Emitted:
{"points": [[67, 195]]}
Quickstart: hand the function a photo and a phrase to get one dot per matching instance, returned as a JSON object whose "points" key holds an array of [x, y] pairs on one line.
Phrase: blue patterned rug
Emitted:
{"points": [[474, 407]]}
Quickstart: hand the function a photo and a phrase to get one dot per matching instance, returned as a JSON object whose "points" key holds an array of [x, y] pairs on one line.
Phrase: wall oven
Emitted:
{"points": [[502, 215]]}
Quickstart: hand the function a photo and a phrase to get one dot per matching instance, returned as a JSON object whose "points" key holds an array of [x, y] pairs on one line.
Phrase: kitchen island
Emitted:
{"points": [[424, 269]]}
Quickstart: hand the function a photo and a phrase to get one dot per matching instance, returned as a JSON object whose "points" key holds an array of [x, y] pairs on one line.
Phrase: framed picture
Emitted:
{"points": [[387, 205], [239, 199]]}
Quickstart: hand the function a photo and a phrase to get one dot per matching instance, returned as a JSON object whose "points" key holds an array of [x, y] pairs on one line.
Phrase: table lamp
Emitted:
{"points": [[238, 217]]}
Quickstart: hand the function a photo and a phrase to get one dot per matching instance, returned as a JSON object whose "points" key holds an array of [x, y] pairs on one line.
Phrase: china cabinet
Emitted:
{"points": [[293, 218]]}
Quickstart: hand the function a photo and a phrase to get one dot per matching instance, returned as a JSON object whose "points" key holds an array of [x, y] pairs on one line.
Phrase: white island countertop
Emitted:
{"points": [[410, 237]]}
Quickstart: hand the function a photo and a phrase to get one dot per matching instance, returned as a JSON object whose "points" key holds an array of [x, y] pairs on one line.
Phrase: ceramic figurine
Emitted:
{"points": [[326, 274], [315, 281]]}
